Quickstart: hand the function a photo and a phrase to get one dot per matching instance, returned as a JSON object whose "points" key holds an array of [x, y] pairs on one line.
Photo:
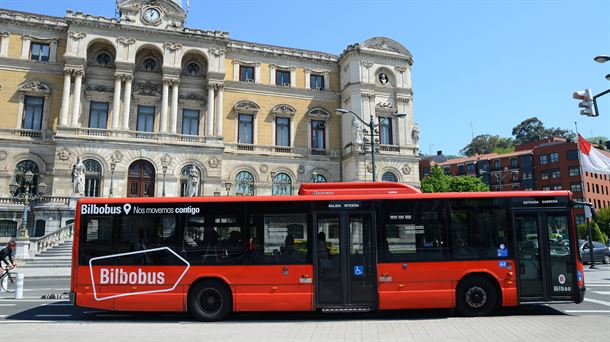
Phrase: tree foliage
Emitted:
{"points": [[532, 129], [438, 181], [602, 218], [600, 140], [596, 233], [486, 143]]}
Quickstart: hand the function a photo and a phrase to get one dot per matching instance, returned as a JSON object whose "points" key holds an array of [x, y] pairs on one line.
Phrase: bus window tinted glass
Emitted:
{"points": [[413, 231], [215, 236], [479, 229], [147, 233], [96, 238]]}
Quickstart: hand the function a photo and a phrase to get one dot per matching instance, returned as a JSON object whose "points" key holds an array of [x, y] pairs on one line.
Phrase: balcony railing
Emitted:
{"points": [[24, 133], [137, 135], [299, 152], [46, 200]]}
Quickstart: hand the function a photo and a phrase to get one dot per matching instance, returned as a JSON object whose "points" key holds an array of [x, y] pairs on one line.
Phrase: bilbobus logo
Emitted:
{"points": [[94, 209], [118, 276]]}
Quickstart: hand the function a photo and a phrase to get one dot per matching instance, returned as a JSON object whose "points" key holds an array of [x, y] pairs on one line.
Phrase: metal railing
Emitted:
{"points": [[41, 244], [61, 200]]}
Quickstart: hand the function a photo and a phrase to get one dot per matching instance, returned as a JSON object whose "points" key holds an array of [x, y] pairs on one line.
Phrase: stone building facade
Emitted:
{"points": [[154, 108]]}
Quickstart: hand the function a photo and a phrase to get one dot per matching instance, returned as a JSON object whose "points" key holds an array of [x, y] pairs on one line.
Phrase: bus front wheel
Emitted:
{"points": [[210, 300], [476, 296]]}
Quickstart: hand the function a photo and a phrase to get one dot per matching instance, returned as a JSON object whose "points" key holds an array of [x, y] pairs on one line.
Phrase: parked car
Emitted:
{"points": [[601, 253]]}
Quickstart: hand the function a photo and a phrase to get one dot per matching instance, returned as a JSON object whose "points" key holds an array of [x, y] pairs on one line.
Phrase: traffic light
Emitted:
{"points": [[586, 102]]}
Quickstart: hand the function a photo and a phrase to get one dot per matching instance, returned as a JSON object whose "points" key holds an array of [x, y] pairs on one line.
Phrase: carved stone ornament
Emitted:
{"points": [[34, 86], [263, 168], [116, 157], [385, 105], [367, 64], [319, 113], [415, 134], [382, 45], [301, 169], [166, 160], [283, 109], [369, 168], [173, 46], [246, 106], [147, 89], [406, 169], [2, 155], [218, 52], [77, 35], [64, 154], [214, 162], [401, 68], [125, 41], [192, 96]]}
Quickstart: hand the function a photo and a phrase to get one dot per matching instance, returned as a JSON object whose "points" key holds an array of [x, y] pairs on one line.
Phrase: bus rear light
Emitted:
{"points": [[580, 278]]}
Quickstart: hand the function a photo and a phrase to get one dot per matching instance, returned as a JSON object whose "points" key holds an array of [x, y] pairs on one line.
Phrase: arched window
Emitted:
{"points": [[23, 167], [389, 177], [193, 69], [149, 64], [103, 59], [93, 177], [141, 179], [282, 184], [244, 184], [190, 173], [318, 178]]}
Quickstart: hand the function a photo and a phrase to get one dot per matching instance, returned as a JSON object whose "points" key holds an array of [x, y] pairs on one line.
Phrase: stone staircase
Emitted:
{"points": [[58, 256]]}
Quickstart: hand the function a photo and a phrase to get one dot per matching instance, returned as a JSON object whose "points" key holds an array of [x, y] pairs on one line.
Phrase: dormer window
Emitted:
{"points": [[149, 64], [103, 59]]}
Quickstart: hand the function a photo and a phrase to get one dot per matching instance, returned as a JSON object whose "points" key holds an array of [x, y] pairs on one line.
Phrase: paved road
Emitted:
{"points": [[59, 320]]}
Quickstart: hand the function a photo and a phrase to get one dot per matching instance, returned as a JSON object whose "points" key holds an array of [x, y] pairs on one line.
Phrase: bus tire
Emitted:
{"points": [[210, 300], [476, 296]]}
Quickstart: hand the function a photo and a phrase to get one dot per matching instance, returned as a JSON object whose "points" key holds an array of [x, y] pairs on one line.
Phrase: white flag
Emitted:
{"points": [[591, 159]]}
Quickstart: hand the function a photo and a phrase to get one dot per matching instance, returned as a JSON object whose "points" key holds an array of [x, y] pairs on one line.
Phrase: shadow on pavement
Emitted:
{"points": [[58, 311]]}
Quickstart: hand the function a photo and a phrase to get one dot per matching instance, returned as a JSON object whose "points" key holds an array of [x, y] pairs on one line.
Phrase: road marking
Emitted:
{"points": [[8, 304], [29, 299], [597, 301], [56, 304], [56, 315], [2, 316], [602, 292], [587, 311]]}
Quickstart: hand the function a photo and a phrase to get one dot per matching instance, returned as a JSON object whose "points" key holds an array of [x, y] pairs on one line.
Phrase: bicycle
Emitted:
{"points": [[4, 283]]}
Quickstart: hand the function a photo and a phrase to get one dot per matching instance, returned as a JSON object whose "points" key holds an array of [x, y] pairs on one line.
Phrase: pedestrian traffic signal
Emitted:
{"points": [[586, 102]]}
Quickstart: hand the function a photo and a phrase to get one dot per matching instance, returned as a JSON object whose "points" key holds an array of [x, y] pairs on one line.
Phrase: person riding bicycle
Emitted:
{"points": [[8, 251]]}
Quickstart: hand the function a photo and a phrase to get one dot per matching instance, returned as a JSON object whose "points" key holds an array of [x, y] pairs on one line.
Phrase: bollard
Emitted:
{"points": [[4, 284], [19, 286]]}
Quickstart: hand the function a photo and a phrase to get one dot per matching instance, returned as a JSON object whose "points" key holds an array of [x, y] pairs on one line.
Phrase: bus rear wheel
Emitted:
{"points": [[209, 301], [476, 296]]}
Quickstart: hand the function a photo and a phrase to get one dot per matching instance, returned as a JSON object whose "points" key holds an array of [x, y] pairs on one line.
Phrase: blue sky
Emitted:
{"points": [[481, 67]]}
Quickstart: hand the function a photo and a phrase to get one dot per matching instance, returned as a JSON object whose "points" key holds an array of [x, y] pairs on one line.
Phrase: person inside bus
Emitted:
{"points": [[287, 251], [323, 250], [210, 243]]}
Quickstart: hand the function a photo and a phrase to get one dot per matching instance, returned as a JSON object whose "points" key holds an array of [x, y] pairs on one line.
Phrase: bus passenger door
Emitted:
{"points": [[545, 260], [345, 269]]}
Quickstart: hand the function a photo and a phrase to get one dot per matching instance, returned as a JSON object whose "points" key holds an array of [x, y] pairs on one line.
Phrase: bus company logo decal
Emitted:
{"points": [[113, 275]]}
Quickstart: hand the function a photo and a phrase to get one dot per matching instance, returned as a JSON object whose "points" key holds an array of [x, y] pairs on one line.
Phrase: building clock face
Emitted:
{"points": [[152, 15]]}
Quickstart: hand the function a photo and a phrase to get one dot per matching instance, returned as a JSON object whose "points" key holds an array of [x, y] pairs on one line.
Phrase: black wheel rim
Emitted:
{"points": [[210, 301], [476, 297]]}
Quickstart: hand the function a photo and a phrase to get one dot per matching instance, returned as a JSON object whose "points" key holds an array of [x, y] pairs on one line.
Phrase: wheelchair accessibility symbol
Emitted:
{"points": [[359, 270]]}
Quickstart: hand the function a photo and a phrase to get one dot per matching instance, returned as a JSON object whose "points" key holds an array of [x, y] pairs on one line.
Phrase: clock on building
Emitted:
{"points": [[151, 15]]}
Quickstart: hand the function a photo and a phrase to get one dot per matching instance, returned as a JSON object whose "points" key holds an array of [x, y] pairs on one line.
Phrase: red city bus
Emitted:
{"points": [[335, 247]]}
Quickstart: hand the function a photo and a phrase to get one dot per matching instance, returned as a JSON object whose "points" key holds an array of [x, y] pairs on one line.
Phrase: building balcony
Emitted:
{"points": [[25, 134], [118, 135], [281, 151]]}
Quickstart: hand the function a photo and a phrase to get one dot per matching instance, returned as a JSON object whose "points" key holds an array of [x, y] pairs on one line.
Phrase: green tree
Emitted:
{"points": [[486, 143], [532, 129], [600, 140], [596, 233], [602, 218], [438, 181]]}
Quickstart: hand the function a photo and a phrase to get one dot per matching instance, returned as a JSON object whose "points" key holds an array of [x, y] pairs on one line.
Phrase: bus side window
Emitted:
{"points": [[96, 238]]}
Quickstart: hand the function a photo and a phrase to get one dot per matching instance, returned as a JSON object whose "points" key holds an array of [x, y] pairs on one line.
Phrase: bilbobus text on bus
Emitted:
{"points": [[334, 247]]}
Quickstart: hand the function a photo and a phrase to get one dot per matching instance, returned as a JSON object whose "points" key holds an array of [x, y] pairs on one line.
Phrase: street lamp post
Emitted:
{"points": [[112, 168], [371, 130], [28, 198], [164, 173]]}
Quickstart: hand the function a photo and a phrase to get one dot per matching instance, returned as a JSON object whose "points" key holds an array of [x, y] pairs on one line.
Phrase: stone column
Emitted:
{"points": [[174, 111], [209, 119], [164, 101], [127, 102], [218, 130], [65, 99], [78, 80], [116, 101]]}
